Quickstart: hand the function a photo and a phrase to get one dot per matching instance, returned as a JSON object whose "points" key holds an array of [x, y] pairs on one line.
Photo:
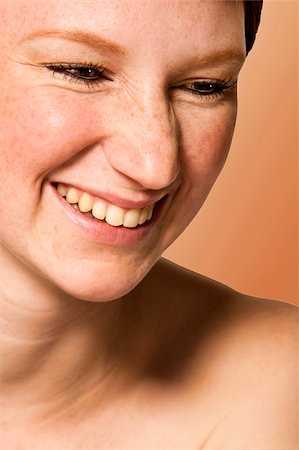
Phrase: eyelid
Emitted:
{"points": [[214, 94], [224, 81], [65, 70], [214, 84]]}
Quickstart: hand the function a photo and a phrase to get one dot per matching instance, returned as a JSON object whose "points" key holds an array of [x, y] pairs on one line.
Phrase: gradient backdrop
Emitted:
{"points": [[246, 233]]}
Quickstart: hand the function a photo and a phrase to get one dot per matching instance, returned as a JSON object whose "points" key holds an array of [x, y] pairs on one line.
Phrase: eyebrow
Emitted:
{"points": [[219, 56], [96, 41], [90, 39]]}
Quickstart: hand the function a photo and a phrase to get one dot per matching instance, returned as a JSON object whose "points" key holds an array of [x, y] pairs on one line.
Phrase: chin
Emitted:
{"points": [[98, 293], [89, 283]]}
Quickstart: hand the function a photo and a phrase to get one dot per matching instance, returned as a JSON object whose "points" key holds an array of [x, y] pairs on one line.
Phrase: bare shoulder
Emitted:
{"points": [[250, 354], [264, 410], [263, 329], [254, 320], [268, 315]]}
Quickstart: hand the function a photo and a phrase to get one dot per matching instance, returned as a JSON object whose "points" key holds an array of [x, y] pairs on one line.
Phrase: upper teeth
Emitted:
{"points": [[102, 210]]}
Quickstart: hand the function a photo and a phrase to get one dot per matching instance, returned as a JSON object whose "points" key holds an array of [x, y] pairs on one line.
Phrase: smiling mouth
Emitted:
{"points": [[104, 211]]}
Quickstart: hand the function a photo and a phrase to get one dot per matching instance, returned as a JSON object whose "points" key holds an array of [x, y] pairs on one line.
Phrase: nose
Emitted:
{"points": [[146, 145]]}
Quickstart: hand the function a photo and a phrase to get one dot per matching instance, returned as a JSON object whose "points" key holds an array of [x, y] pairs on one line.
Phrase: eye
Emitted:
{"points": [[208, 89], [83, 73], [89, 74]]}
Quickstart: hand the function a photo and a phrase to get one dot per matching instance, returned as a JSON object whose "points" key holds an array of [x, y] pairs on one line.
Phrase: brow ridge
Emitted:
{"points": [[87, 38], [218, 56]]}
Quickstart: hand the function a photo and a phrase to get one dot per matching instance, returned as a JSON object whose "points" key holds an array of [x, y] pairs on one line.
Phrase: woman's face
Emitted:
{"points": [[131, 102]]}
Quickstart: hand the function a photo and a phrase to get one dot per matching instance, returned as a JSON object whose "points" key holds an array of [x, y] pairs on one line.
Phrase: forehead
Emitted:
{"points": [[134, 23]]}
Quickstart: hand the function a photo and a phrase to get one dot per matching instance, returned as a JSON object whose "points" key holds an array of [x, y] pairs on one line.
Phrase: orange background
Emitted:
{"points": [[246, 233]]}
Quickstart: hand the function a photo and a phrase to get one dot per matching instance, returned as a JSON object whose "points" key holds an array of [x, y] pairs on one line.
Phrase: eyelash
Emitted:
{"points": [[90, 82], [213, 88]]}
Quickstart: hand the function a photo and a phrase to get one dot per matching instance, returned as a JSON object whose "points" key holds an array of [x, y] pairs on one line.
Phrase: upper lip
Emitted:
{"points": [[139, 201]]}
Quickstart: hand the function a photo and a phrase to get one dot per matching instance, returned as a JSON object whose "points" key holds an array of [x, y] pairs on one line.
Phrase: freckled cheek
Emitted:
{"points": [[39, 133], [205, 144]]}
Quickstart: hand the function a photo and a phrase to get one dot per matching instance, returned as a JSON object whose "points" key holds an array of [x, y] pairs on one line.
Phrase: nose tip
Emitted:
{"points": [[156, 162], [149, 153]]}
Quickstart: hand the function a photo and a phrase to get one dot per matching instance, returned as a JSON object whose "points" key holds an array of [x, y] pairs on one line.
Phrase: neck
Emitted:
{"points": [[57, 350]]}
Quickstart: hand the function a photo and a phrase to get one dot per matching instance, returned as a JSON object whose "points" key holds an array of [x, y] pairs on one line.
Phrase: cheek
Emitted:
{"points": [[40, 131], [206, 140]]}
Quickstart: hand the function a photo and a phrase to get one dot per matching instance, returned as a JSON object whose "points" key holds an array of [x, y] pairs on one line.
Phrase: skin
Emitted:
{"points": [[117, 305]]}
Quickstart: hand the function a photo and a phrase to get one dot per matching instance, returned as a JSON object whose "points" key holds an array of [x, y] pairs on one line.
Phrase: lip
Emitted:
{"points": [[110, 197], [101, 231]]}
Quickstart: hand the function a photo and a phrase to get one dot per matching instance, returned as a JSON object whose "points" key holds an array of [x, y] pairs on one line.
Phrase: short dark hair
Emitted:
{"points": [[252, 12]]}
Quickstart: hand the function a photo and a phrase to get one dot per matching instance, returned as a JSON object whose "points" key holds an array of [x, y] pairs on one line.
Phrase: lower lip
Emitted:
{"points": [[100, 230]]}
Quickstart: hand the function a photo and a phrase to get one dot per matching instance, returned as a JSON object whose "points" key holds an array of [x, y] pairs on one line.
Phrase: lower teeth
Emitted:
{"points": [[88, 214]]}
